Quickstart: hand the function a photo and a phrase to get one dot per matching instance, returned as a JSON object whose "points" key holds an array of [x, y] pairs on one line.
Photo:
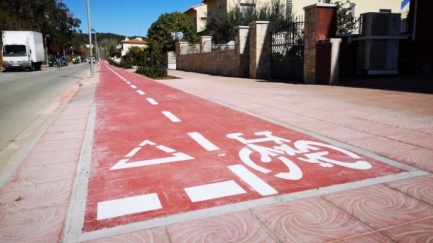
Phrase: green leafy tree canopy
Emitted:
{"points": [[220, 23], [161, 31]]}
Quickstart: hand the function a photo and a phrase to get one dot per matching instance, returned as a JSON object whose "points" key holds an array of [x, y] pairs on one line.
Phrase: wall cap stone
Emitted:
{"points": [[241, 27], [260, 22], [323, 5]]}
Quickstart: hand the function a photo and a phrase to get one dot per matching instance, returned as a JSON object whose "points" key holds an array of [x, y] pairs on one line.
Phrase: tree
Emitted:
{"points": [[49, 17], [161, 30], [221, 23], [346, 22]]}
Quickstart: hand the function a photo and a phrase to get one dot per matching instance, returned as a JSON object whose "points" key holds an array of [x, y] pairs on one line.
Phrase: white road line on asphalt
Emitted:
{"points": [[133, 152], [152, 101], [133, 86], [129, 205], [127, 82], [214, 190], [140, 92], [206, 144], [252, 180], [170, 116]]}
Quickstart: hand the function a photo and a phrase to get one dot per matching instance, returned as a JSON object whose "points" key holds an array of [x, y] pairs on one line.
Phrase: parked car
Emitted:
{"points": [[93, 59], [52, 62], [76, 59]]}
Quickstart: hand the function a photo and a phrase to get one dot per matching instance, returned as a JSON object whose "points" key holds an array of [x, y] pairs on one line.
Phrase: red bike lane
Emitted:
{"points": [[159, 151]]}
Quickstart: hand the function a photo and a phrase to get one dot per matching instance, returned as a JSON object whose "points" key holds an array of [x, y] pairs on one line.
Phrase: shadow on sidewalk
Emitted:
{"points": [[414, 84]]}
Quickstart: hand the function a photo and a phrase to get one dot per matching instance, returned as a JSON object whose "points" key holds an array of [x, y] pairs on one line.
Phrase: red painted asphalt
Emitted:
{"points": [[144, 146]]}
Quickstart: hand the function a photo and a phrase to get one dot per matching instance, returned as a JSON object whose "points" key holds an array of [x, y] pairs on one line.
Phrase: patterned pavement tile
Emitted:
{"points": [[310, 220], [36, 225], [30, 175], [420, 231], [420, 188], [380, 206], [15, 198], [367, 238], [156, 235], [235, 227]]}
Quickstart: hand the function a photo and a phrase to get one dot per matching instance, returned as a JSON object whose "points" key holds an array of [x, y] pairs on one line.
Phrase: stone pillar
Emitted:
{"points": [[320, 24], [205, 44], [260, 49], [242, 50]]}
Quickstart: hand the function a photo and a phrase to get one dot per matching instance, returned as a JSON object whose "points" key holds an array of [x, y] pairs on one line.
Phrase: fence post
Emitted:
{"points": [[320, 24], [242, 51], [205, 44], [260, 49]]}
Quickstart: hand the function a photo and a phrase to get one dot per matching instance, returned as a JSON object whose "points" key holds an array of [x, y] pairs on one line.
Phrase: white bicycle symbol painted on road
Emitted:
{"points": [[306, 151]]}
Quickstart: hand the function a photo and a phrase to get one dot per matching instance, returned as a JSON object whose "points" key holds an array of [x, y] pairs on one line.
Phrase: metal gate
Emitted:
{"points": [[288, 53]]}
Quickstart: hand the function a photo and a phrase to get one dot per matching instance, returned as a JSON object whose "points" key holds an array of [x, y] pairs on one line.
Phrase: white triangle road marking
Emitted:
{"points": [[175, 157]]}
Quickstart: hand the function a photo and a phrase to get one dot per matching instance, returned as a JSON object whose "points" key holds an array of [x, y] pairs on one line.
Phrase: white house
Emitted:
{"points": [[127, 43]]}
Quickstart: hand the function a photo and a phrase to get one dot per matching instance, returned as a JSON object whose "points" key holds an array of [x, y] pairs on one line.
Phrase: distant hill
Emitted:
{"points": [[84, 38]]}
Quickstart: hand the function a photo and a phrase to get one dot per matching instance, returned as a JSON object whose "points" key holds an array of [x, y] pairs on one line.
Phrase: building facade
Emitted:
{"points": [[198, 16]]}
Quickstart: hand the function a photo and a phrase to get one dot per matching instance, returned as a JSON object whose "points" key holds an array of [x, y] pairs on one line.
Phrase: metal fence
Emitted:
{"points": [[288, 52]]}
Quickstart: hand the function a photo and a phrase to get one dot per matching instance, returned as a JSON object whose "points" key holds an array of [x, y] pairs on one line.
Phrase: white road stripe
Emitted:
{"points": [[170, 116], [129, 205], [141, 92], [214, 190], [133, 152], [152, 101], [127, 82], [133, 86], [252, 180], [206, 144]]}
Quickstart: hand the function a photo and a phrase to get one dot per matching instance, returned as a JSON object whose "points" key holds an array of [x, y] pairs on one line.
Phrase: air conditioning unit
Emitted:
{"points": [[378, 56], [380, 24]]}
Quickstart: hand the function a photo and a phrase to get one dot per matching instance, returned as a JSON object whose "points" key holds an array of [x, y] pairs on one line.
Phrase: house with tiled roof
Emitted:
{"points": [[198, 15], [128, 43]]}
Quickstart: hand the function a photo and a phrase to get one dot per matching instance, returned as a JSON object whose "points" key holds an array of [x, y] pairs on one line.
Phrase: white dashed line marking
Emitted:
{"points": [[140, 92], [129, 205], [252, 180], [152, 101], [170, 116], [214, 190], [206, 144], [133, 86]]}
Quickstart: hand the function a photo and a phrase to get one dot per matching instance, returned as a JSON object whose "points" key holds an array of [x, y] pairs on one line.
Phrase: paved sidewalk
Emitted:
{"points": [[38, 203]]}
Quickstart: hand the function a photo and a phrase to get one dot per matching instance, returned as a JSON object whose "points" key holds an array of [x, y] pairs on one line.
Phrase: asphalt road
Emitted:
{"points": [[24, 96]]}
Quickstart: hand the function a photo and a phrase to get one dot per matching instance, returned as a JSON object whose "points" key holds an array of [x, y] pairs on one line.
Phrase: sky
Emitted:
{"points": [[127, 17]]}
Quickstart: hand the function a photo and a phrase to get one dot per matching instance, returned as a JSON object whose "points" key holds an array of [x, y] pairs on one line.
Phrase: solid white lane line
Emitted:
{"points": [[152, 101], [214, 190], [252, 180], [170, 116], [129, 205], [133, 86], [134, 151], [140, 92], [206, 144]]}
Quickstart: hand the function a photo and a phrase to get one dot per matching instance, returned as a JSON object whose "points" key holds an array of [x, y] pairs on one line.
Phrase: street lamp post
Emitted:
{"points": [[46, 49], [96, 46], [90, 37]]}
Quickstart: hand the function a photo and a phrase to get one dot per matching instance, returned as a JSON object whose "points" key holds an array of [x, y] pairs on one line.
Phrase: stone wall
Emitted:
{"points": [[251, 56], [218, 63]]}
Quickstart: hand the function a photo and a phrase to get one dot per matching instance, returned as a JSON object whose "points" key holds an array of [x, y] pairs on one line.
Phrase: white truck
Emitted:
{"points": [[22, 50]]}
